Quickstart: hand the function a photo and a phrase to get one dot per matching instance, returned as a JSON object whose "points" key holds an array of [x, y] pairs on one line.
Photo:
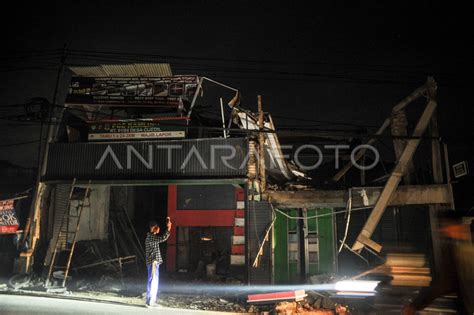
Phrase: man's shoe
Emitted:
{"points": [[154, 305]]}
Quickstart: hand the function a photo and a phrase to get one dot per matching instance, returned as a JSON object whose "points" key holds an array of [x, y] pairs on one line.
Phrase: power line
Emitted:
{"points": [[276, 74], [311, 133], [29, 55], [13, 69], [237, 60], [295, 130], [18, 143], [316, 122], [377, 68], [306, 75]]}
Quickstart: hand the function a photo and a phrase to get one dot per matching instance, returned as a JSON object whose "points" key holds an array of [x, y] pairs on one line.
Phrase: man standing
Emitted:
{"points": [[153, 259]]}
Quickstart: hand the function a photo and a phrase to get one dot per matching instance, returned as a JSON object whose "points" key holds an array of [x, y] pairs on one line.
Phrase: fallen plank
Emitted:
{"points": [[104, 262], [297, 295]]}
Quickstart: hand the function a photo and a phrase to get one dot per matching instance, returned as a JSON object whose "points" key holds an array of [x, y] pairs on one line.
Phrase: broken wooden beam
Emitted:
{"points": [[404, 195], [120, 259]]}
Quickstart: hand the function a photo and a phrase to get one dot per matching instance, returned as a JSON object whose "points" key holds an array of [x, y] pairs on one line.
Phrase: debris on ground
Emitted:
{"points": [[201, 302], [296, 302], [289, 308], [303, 307]]}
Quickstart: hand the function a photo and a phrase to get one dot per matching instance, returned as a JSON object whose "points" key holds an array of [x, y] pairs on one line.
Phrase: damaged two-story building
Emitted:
{"points": [[135, 142]]}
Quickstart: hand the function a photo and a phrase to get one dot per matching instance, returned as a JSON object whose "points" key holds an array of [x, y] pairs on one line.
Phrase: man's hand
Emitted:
{"points": [[168, 223]]}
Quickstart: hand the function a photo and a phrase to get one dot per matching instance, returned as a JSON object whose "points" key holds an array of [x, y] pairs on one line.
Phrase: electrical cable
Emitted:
{"points": [[236, 60], [115, 57], [124, 56], [18, 143], [357, 254], [346, 230], [320, 215]]}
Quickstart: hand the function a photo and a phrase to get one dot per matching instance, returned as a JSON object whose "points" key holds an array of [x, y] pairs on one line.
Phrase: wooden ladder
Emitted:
{"points": [[68, 230]]}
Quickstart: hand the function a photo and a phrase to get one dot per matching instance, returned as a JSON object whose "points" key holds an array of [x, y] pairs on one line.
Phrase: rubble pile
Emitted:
{"points": [[289, 308], [313, 304]]}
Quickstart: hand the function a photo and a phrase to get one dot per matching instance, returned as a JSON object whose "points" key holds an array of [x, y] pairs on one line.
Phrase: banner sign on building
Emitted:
{"points": [[162, 91], [170, 128], [8, 220]]}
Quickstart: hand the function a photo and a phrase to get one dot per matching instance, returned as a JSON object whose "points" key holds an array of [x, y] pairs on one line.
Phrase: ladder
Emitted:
{"points": [[65, 240]]}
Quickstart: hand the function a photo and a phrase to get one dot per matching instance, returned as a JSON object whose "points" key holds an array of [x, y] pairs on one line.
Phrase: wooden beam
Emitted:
{"points": [[106, 262], [368, 242], [405, 195]]}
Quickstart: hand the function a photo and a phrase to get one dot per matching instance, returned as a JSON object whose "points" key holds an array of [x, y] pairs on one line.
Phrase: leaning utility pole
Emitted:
{"points": [[32, 227], [261, 143], [403, 161]]}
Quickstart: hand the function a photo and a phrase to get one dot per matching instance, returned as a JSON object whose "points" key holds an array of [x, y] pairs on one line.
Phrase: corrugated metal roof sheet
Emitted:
{"points": [[259, 217], [124, 70]]}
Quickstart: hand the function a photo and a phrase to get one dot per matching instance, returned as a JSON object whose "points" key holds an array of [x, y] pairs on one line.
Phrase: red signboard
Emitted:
{"points": [[8, 219]]}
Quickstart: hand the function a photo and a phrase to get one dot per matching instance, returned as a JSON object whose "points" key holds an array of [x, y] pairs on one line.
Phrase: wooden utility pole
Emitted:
{"points": [[261, 143], [32, 226], [400, 169], [398, 126]]}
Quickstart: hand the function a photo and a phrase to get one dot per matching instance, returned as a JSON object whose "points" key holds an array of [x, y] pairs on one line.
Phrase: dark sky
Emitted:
{"points": [[337, 61]]}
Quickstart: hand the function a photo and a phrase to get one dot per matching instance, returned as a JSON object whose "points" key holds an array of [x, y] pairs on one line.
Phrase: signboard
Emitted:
{"points": [[8, 220], [160, 91], [460, 169], [138, 129]]}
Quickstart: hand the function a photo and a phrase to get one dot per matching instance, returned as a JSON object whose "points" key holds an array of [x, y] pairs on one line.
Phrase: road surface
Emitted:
{"points": [[33, 305]]}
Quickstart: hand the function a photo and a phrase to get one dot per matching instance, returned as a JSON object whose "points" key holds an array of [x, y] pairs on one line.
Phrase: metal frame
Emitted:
{"points": [[199, 88]]}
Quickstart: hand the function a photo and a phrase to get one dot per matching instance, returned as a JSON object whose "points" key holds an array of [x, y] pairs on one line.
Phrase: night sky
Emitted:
{"points": [[336, 62]]}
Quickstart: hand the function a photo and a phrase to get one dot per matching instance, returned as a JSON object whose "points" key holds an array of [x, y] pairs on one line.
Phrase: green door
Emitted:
{"points": [[321, 245]]}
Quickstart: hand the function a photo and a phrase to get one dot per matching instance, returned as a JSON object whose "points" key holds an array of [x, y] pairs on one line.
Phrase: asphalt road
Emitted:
{"points": [[32, 305]]}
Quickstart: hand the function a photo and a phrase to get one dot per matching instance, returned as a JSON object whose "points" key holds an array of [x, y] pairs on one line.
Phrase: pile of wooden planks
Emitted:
{"points": [[404, 269]]}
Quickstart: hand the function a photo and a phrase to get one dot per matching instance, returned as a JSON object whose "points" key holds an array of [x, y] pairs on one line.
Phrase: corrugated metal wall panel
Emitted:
{"points": [[82, 160], [60, 208], [259, 217]]}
